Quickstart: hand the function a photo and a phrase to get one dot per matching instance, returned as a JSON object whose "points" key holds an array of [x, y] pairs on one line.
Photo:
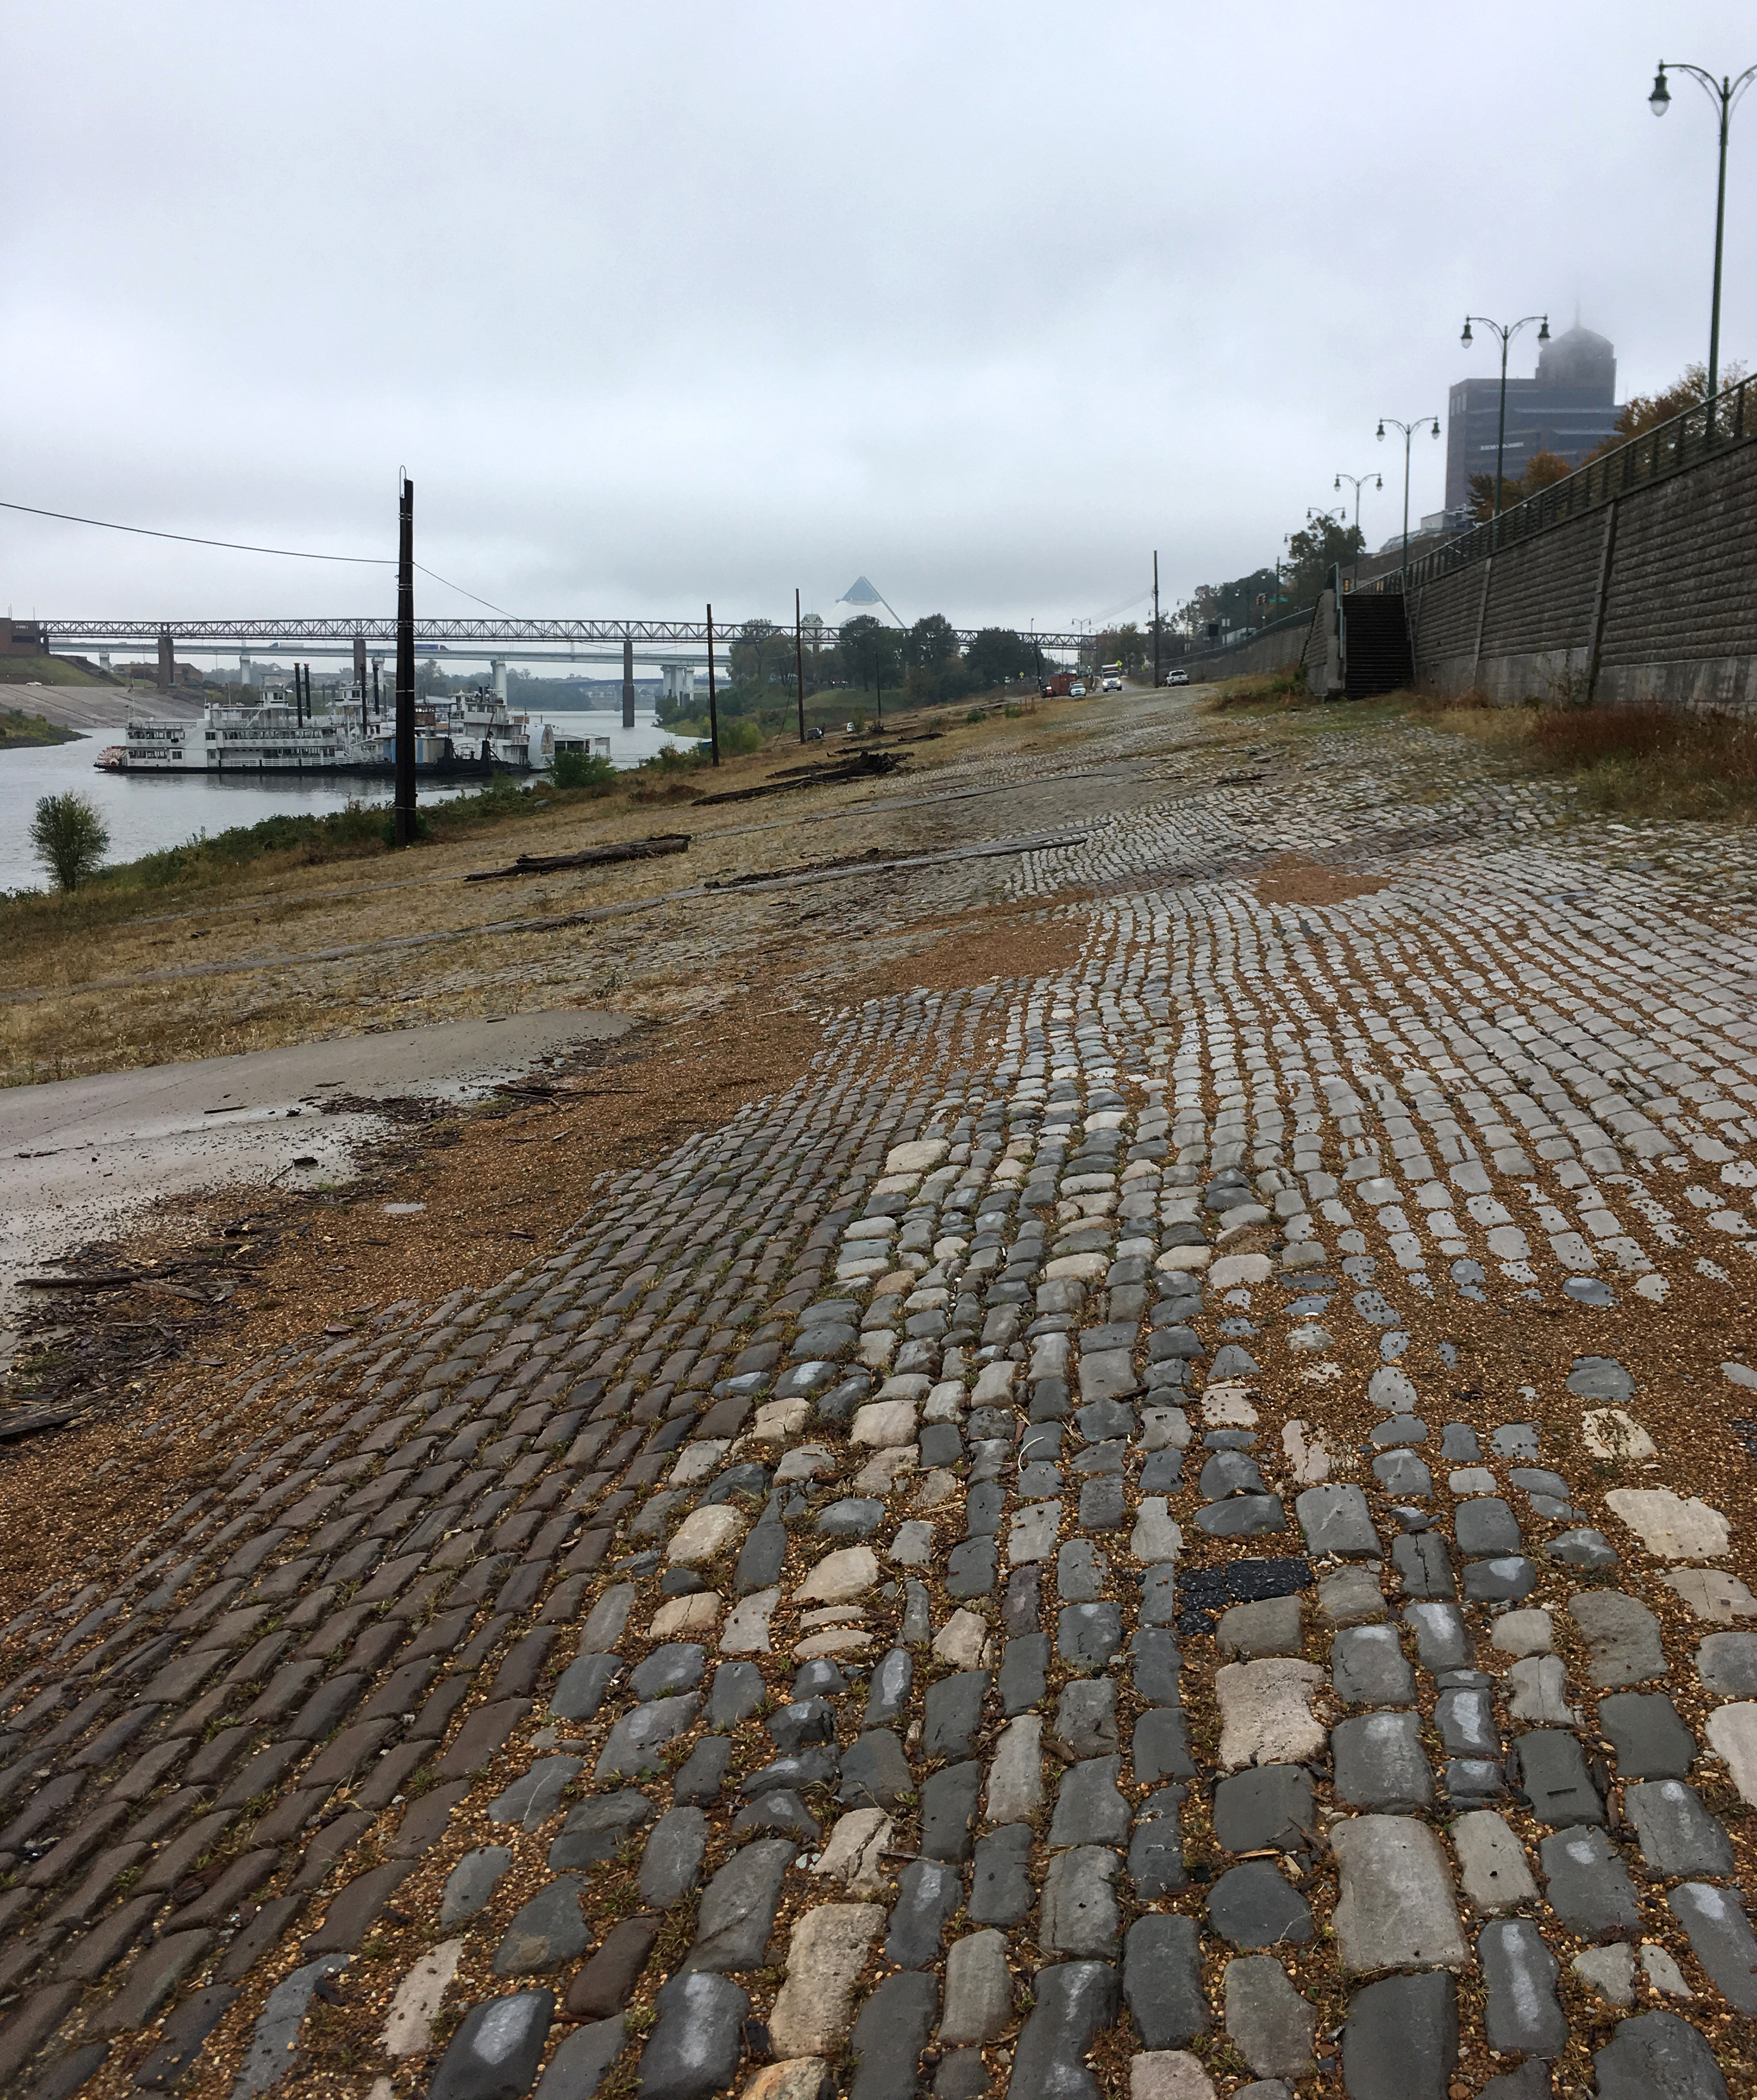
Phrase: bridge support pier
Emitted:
{"points": [[627, 681], [497, 666]]}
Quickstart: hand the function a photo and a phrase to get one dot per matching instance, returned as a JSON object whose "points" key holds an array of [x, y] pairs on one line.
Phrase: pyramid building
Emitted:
{"points": [[861, 596]]}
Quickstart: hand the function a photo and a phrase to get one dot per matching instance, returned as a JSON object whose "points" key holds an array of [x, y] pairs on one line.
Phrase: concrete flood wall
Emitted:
{"points": [[1650, 596], [1278, 650]]}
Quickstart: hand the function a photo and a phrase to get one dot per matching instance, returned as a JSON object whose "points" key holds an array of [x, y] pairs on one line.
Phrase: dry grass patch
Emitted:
{"points": [[1652, 761]]}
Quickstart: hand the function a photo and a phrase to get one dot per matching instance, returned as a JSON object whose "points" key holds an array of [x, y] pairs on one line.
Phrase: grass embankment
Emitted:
{"points": [[40, 931], [46, 671], [244, 942], [18, 730]]}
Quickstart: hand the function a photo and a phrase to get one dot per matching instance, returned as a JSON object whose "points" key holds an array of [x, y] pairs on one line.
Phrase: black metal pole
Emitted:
{"points": [[1155, 619], [627, 680], [878, 678], [405, 817], [713, 706], [1500, 443], [799, 664], [377, 697], [1720, 228]]}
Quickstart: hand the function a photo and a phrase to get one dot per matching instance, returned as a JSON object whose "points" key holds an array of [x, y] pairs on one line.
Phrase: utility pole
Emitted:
{"points": [[878, 678], [359, 678], [403, 814], [628, 679], [713, 705], [799, 663], [1155, 619], [378, 696]]}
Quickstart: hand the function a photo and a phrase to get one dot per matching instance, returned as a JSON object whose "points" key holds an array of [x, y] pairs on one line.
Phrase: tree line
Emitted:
{"points": [[918, 666], [1269, 594]]}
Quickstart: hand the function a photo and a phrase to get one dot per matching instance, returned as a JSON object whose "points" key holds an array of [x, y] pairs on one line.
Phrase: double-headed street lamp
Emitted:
{"points": [[1724, 94], [1506, 331], [1338, 518], [1358, 482], [1409, 430]]}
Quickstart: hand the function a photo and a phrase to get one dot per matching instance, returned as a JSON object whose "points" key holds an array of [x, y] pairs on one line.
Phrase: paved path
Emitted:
{"points": [[85, 1159], [1175, 1529]]}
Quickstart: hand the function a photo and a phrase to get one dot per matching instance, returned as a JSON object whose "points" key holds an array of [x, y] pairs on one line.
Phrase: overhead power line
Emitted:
{"points": [[1127, 605], [245, 547]]}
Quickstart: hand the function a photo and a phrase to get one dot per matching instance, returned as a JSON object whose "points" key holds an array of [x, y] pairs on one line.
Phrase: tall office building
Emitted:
{"points": [[1568, 407]]}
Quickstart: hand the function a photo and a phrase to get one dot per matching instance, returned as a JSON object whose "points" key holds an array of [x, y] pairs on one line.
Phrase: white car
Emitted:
{"points": [[1177, 677], [1113, 684], [1076, 692]]}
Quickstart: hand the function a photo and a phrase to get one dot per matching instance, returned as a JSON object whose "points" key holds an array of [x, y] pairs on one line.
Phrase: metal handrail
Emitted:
{"points": [[1701, 432]]}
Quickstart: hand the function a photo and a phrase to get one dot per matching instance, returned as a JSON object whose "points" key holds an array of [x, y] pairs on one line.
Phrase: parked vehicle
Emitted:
{"points": [[1177, 677], [1058, 686], [1076, 692]]}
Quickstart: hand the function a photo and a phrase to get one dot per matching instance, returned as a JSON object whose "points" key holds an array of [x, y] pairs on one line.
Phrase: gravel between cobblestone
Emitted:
{"points": [[1275, 1382]]}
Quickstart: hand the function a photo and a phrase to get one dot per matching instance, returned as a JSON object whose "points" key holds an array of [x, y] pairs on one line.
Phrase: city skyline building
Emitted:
{"points": [[1568, 407]]}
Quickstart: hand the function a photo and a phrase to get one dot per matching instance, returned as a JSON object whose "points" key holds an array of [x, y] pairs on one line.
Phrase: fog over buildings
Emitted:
{"points": [[662, 305]]}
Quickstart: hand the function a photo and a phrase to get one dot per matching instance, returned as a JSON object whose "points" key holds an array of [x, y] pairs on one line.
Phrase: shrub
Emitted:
{"points": [[421, 829], [671, 760], [574, 768], [741, 736], [69, 838]]}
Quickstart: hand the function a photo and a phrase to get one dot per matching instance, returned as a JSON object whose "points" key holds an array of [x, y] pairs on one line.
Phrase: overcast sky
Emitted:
{"points": [[664, 303]]}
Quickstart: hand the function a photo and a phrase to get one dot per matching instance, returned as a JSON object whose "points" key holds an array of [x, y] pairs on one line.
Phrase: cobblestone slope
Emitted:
{"points": [[1179, 1528]]}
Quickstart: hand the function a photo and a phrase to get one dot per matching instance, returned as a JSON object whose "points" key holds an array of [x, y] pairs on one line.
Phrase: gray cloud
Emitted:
{"points": [[665, 303]]}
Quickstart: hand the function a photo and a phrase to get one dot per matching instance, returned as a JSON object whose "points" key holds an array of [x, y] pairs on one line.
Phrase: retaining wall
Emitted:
{"points": [[1279, 650], [1651, 596]]}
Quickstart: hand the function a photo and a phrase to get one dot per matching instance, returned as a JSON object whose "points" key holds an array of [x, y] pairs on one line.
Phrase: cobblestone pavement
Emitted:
{"points": [[1177, 1527]]}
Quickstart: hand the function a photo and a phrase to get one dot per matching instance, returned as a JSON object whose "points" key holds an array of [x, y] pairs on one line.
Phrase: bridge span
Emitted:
{"points": [[495, 641]]}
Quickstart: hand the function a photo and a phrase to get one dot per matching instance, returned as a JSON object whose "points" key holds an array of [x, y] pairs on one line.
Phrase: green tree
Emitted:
{"points": [[1312, 553], [1125, 645], [870, 652], [932, 644], [998, 654], [69, 838], [752, 653]]}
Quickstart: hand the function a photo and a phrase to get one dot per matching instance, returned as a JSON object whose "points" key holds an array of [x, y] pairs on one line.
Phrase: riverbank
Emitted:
{"points": [[215, 955], [21, 731]]}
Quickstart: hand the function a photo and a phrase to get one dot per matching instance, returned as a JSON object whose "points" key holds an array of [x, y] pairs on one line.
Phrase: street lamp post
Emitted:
{"points": [[1409, 430], [1359, 481], [1724, 94], [1506, 331]]}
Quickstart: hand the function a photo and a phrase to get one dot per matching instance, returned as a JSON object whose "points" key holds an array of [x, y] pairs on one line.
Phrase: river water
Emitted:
{"points": [[145, 814]]}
